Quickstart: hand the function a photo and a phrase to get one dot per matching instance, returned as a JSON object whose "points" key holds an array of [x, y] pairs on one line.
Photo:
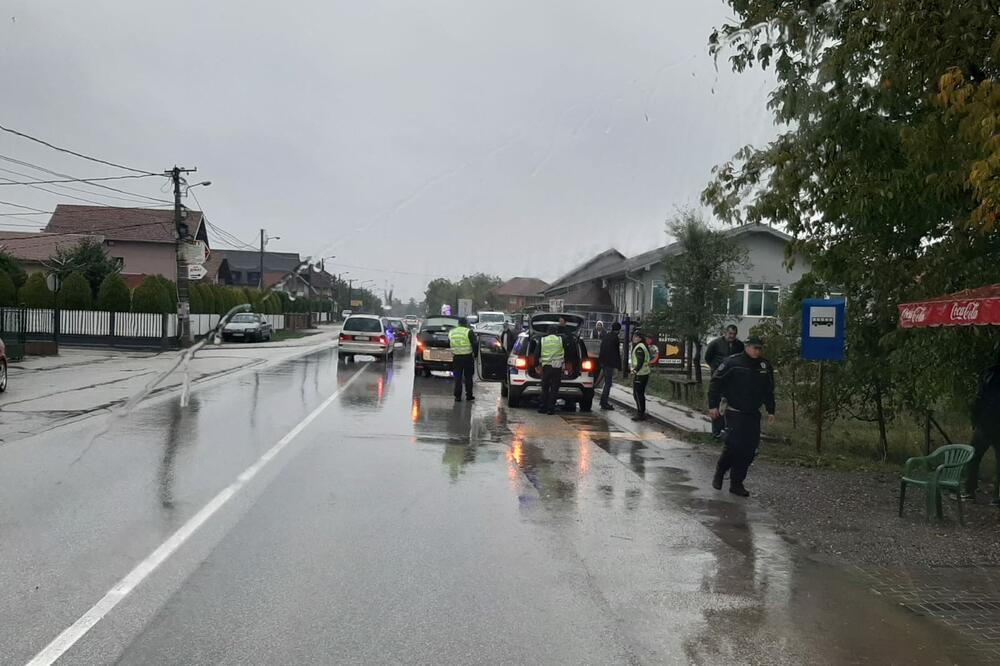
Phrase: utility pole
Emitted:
{"points": [[260, 281], [183, 233]]}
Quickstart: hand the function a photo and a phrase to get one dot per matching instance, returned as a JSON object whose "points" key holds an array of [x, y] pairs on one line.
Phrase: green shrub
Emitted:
{"points": [[36, 293], [150, 296], [8, 292], [75, 293], [195, 299], [113, 294]]}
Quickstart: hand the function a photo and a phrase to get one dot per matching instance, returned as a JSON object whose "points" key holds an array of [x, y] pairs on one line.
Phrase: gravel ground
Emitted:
{"points": [[852, 516]]}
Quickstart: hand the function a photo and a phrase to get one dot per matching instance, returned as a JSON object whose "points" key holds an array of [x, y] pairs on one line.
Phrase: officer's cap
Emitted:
{"points": [[755, 341]]}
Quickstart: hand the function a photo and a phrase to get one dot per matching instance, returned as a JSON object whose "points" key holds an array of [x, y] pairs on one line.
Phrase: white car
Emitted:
{"points": [[366, 335], [247, 326], [488, 318], [522, 379]]}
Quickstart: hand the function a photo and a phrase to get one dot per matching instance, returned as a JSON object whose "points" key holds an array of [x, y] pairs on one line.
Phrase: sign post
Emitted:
{"points": [[823, 339]]}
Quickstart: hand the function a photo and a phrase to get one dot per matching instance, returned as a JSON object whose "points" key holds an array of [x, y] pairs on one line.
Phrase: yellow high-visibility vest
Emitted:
{"points": [[458, 340], [552, 350]]}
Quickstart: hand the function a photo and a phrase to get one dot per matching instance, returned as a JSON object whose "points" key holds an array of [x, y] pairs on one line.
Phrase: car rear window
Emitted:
{"points": [[436, 324], [363, 325], [244, 318]]}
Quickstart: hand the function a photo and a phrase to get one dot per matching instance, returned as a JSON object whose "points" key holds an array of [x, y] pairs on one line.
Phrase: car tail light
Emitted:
{"points": [[346, 337], [520, 363], [381, 340], [587, 365]]}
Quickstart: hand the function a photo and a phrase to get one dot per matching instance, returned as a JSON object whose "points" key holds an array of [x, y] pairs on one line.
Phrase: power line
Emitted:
{"points": [[75, 180], [66, 175], [41, 212], [73, 152], [11, 203]]}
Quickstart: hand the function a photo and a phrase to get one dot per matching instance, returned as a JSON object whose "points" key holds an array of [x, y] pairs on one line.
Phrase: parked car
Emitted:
{"points": [[247, 326], [491, 321], [401, 331], [433, 350], [366, 335], [412, 321], [3, 367], [523, 379]]}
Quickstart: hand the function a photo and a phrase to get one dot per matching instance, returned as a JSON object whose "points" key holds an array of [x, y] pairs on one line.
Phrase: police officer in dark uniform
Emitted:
{"points": [[746, 381]]}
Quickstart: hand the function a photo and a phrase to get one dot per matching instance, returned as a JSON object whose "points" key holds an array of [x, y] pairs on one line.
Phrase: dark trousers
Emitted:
{"points": [[550, 387], [639, 392], [742, 442], [609, 379], [982, 440], [463, 367]]}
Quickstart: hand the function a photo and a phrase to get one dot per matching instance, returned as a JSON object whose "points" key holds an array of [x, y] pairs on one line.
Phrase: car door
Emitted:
{"points": [[491, 357]]}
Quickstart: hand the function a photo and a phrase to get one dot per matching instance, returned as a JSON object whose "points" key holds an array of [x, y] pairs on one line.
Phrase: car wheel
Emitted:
{"points": [[3, 376], [342, 358], [587, 402], [513, 397], [427, 372], [503, 389]]}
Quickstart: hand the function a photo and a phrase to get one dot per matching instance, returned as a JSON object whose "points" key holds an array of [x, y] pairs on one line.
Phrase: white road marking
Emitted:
{"points": [[132, 579]]}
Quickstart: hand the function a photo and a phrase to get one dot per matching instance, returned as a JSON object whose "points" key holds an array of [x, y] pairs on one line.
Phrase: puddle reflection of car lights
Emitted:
{"points": [[415, 410]]}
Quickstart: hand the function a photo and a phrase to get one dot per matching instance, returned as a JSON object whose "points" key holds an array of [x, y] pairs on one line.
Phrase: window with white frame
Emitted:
{"points": [[659, 296], [754, 300]]}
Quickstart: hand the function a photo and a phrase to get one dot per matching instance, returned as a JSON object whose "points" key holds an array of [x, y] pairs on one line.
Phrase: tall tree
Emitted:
{"points": [[883, 170], [150, 296], [87, 257], [699, 279]]}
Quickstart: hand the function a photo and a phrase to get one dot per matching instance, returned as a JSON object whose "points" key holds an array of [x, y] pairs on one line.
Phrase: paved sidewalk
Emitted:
{"points": [[672, 414]]}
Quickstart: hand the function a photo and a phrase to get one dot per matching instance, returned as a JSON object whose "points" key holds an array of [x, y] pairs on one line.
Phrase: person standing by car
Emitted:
{"points": [[599, 331], [746, 381], [985, 429], [717, 351], [639, 358], [462, 342], [553, 356], [609, 359]]}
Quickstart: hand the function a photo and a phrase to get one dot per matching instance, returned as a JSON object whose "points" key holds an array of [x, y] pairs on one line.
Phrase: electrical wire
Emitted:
{"points": [[77, 189], [11, 203], [227, 237], [78, 180], [73, 152], [66, 175]]}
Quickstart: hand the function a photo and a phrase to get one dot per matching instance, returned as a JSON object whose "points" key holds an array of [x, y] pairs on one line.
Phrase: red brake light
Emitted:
{"points": [[381, 339], [520, 363], [587, 365], [344, 336]]}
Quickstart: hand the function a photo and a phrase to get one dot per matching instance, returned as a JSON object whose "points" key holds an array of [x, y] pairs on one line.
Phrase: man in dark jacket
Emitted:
{"points": [[610, 361], [746, 381], [717, 351], [986, 429]]}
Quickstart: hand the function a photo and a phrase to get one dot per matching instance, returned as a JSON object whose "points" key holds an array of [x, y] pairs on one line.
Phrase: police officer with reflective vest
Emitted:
{"points": [[746, 381], [462, 341], [640, 364], [553, 357]]}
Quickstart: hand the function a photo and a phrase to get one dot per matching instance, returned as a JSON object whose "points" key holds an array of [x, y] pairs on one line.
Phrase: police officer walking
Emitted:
{"points": [[639, 359], [717, 351], [553, 357], [462, 341], [746, 381]]}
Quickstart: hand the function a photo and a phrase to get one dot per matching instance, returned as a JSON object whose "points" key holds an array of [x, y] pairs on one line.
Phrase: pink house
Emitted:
{"points": [[142, 239]]}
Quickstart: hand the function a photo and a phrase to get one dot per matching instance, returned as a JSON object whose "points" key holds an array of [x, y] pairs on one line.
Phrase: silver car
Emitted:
{"points": [[366, 335], [247, 326]]}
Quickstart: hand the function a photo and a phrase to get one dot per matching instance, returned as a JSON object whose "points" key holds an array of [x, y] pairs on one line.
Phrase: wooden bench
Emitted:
{"points": [[681, 385]]}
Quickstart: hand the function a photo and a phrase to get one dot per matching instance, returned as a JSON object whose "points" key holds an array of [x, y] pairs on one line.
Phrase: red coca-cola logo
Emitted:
{"points": [[915, 314], [965, 311]]}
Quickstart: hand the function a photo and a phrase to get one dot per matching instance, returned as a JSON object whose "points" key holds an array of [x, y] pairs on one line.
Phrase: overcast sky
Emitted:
{"points": [[431, 138]]}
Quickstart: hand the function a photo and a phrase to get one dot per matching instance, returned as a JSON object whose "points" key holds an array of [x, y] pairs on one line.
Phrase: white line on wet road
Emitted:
{"points": [[132, 579]]}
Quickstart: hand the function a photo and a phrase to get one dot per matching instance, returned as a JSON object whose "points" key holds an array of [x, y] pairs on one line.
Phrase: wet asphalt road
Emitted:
{"points": [[399, 527]]}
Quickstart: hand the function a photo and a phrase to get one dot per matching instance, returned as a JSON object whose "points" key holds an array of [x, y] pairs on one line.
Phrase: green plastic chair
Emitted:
{"points": [[941, 470]]}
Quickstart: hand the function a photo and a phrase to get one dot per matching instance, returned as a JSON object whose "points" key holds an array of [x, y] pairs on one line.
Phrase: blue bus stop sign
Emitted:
{"points": [[823, 329]]}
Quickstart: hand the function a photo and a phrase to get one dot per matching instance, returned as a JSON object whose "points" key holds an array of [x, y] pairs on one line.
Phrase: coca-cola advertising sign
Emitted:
{"points": [[965, 312], [961, 312]]}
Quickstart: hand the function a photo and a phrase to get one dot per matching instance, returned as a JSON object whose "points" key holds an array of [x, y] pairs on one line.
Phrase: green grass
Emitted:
{"points": [[848, 443]]}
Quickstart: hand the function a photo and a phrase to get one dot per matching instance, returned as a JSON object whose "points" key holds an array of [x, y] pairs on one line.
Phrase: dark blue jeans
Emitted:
{"points": [[608, 375]]}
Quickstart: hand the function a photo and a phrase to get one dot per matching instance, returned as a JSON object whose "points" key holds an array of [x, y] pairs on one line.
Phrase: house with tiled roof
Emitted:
{"points": [[143, 240], [241, 268], [32, 249], [517, 293]]}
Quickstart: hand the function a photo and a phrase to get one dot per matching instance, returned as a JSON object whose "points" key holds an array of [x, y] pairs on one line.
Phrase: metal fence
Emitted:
{"points": [[130, 329]]}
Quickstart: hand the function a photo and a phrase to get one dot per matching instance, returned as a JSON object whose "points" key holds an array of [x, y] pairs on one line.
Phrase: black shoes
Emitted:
{"points": [[470, 398], [458, 398], [639, 417], [717, 480], [738, 489], [608, 408]]}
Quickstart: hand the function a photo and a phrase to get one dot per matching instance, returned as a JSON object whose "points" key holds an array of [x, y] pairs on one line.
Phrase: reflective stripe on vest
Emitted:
{"points": [[552, 350], [458, 340], [644, 370]]}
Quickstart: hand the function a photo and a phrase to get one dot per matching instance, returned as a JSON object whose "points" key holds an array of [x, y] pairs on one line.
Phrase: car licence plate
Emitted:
{"points": [[362, 338], [437, 355], [237, 335]]}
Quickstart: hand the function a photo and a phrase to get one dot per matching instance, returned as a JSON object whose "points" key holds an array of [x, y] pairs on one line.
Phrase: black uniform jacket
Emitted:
{"points": [[746, 384]]}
